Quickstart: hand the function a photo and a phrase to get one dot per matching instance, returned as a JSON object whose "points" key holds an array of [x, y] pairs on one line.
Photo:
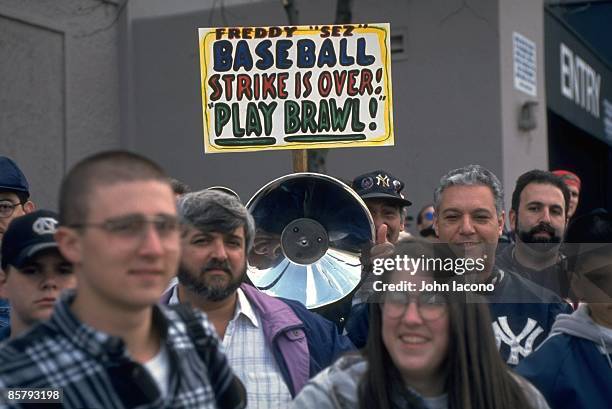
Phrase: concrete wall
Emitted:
{"points": [[58, 86], [522, 150], [79, 76], [446, 92], [163, 107]]}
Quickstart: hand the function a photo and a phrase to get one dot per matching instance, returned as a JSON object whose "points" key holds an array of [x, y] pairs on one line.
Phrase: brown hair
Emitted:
{"points": [[105, 168], [477, 376]]}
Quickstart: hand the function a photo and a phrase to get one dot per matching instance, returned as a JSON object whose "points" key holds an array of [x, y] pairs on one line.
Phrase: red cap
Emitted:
{"points": [[570, 178]]}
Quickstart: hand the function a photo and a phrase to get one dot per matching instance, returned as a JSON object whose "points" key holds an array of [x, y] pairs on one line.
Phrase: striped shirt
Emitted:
{"points": [[251, 357], [95, 370]]}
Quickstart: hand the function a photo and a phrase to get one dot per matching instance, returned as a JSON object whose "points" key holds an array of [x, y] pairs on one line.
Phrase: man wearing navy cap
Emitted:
{"points": [[14, 202], [14, 193], [33, 270], [382, 193]]}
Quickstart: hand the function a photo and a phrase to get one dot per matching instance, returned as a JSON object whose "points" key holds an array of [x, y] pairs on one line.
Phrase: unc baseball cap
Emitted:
{"points": [[11, 177], [380, 185], [27, 235]]}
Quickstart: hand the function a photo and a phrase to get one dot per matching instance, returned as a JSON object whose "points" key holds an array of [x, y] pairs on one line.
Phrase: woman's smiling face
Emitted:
{"points": [[416, 334]]}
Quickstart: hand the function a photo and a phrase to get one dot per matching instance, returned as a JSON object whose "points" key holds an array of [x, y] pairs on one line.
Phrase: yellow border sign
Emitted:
{"points": [[296, 87]]}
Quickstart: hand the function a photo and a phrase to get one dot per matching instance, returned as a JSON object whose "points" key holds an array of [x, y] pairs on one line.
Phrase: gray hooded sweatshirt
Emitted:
{"points": [[580, 324], [336, 388]]}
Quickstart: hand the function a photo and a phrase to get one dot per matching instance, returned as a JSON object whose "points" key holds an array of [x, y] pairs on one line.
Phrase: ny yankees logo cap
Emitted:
{"points": [[380, 185]]}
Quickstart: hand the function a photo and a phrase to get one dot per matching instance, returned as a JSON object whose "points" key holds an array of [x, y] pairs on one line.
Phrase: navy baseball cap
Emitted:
{"points": [[27, 235], [380, 185], [11, 177]]}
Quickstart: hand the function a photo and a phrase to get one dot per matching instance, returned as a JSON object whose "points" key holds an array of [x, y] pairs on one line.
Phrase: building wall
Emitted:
{"points": [[446, 92], [58, 86], [522, 150], [163, 108], [88, 75]]}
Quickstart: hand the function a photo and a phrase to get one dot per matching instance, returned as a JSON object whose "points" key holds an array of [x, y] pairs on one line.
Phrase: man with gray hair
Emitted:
{"points": [[469, 216], [273, 345]]}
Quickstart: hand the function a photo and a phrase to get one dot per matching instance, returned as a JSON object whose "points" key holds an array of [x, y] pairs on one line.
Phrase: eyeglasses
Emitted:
{"points": [[8, 208], [135, 226], [431, 306]]}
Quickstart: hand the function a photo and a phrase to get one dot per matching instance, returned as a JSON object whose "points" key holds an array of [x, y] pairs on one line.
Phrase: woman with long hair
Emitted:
{"points": [[427, 348]]}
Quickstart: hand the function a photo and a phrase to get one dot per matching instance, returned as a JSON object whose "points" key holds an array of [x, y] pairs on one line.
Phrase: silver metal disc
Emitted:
{"points": [[310, 232]]}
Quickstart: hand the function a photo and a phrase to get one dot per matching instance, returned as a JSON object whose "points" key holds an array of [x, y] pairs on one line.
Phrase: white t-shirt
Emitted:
{"points": [[159, 368]]}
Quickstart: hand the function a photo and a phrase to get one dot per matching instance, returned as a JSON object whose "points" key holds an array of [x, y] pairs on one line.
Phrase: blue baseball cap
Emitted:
{"points": [[380, 185], [11, 177]]}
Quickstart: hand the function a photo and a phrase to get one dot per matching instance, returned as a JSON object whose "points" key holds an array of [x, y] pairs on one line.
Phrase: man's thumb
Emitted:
{"points": [[381, 234]]}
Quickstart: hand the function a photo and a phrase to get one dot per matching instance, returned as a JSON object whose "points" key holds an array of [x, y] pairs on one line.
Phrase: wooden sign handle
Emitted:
{"points": [[300, 160]]}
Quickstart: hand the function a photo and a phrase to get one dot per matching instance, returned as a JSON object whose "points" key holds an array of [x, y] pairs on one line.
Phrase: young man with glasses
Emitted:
{"points": [[14, 193], [108, 345], [14, 202]]}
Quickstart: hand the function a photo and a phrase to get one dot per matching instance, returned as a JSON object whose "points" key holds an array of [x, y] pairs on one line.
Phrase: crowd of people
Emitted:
{"points": [[136, 295]]}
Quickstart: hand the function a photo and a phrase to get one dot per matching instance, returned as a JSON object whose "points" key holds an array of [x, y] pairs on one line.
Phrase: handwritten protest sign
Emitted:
{"points": [[296, 87]]}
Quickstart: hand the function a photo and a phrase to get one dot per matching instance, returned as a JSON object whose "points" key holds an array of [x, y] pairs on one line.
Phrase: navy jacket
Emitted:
{"points": [[573, 367], [570, 373]]}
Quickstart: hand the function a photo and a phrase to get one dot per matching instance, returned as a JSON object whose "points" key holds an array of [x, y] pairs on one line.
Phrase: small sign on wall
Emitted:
{"points": [[525, 64]]}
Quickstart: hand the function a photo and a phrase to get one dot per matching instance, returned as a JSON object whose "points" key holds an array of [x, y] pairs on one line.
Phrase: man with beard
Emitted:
{"points": [[538, 218], [273, 345]]}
